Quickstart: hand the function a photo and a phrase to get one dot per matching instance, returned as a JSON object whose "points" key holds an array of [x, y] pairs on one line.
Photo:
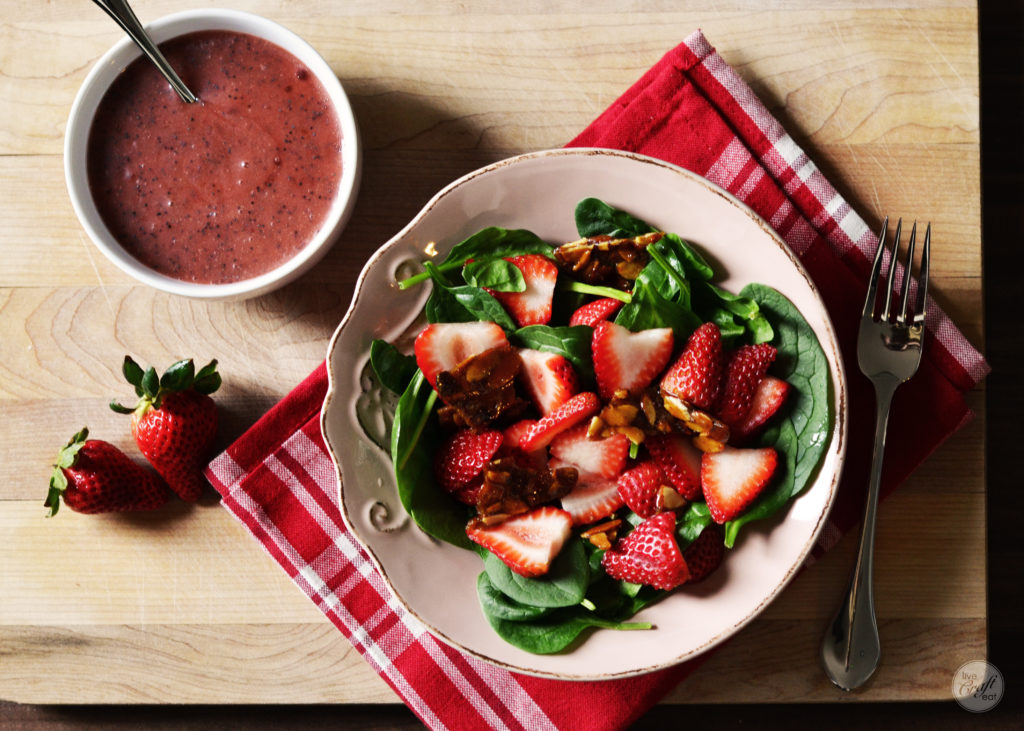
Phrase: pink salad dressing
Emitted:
{"points": [[227, 188]]}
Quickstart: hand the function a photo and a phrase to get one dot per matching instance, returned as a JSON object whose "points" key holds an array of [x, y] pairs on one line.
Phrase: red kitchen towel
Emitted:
{"points": [[693, 110]]}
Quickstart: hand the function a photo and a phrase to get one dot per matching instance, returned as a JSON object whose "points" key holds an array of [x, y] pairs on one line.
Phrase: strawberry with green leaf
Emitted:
{"points": [[174, 421], [94, 476]]}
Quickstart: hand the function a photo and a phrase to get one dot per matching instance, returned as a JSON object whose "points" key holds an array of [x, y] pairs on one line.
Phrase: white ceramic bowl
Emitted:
{"points": [[112, 63], [539, 191]]}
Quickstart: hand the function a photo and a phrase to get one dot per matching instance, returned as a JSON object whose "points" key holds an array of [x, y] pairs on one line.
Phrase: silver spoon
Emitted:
{"points": [[120, 11]]}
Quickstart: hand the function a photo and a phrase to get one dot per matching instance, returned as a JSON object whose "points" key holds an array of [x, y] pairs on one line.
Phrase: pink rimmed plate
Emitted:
{"points": [[436, 582]]}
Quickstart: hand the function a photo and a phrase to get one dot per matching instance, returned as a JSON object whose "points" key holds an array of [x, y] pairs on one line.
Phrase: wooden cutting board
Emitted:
{"points": [[182, 605]]}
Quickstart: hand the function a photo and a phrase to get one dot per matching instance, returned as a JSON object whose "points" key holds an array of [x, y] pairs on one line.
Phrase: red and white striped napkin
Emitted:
{"points": [[693, 110]]}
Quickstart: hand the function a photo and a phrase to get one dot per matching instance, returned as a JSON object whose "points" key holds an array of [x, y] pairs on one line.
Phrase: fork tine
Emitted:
{"points": [[891, 283], [901, 317], [922, 279], [869, 301]]}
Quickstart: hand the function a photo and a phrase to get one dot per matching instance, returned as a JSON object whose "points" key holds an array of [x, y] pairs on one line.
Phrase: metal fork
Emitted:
{"points": [[889, 352]]}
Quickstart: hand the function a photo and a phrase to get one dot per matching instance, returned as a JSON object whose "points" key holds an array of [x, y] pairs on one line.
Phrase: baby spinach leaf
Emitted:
{"points": [[393, 368], [737, 316], [495, 242], [415, 438], [649, 309], [498, 605], [692, 523], [556, 631], [693, 264], [563, 585], [462, 303], [594, 217], [496, 274], [489, 243], [800, 433], [571, 342]]}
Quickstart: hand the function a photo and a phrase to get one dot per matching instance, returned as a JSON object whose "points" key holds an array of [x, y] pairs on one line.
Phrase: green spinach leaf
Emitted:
{"points": [[497, 274], [463, 303], [801, 432], [556, 631], [594, 217], [393, 368], [415, 439], [564, 585], [495, 242], [498, 605], [571, 342]]}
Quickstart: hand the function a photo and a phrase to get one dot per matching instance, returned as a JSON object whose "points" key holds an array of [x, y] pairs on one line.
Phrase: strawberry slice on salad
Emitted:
{"points": [[679, 461], [743, 374], [580, 407], [734, 477], [696, 375], [771, 393], [526, 543], [598, 456], [533, 305], [443, 345], [464, 455], [646, 491], [706, 552], [626, 360], [549, 379], [595, 312], [649, 555], [593, 498]]}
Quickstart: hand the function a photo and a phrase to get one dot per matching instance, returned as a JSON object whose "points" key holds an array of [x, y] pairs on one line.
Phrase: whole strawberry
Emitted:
{"points": [[175, 421], [94, 476]]}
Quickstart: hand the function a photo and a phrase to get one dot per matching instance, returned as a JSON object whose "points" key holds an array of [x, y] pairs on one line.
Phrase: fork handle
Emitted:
{"points": [[851, 648]]}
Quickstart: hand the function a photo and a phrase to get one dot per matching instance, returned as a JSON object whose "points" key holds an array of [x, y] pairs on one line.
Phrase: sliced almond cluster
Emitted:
{"points": [[711, 435], [636, 417], [603, 534], [510, 489], [603, 260], [481, 389]]}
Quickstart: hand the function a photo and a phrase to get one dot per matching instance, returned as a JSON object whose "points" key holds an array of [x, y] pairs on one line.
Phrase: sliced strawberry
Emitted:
{"points": [[771, 393], [743, 374], [443, 345], [594, 312], [594, 497], [648, 555], [512, 444], [696, 375], [533, 305], [644, 488], [463, 456], [549, 378], [679, 460], [577, 409], [605, 457], [628, 360], [526, 543], [705, 554], [468, 494], [732, 478]]}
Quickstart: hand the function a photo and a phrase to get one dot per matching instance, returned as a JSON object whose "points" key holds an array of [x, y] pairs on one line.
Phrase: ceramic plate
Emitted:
{"points": [[539, 191]]}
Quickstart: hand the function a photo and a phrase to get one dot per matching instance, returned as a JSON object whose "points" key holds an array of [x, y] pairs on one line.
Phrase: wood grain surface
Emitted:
{"points": [[182, 606]]}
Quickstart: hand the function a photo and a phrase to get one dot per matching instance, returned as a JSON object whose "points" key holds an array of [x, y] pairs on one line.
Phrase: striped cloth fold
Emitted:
{"points": [[693, 110]]}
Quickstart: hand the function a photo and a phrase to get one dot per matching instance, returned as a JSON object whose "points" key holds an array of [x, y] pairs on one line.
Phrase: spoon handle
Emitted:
{"points": [[122, 14]]}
